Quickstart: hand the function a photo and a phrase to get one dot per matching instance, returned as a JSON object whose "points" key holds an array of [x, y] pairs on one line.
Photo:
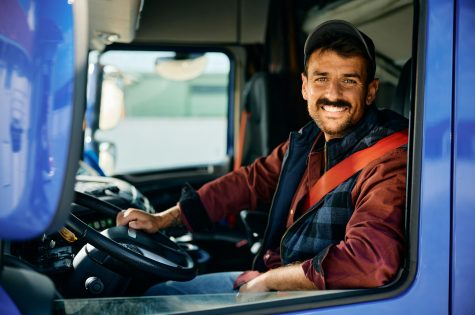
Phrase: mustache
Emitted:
{"points": [[337, 103]]}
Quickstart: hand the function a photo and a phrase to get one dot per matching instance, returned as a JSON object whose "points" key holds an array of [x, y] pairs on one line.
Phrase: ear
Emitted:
{"points": [[304, 86], [372, 90]]}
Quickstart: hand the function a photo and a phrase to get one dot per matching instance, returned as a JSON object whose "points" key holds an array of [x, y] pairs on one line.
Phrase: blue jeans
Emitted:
{"points": [[220, 282]]}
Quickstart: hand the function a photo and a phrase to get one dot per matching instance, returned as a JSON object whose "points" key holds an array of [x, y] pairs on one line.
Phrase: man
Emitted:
{"points": [[353, 236]]}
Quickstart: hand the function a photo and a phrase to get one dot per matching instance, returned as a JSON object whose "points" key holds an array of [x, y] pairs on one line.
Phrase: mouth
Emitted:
{"points": [[334, 109]]}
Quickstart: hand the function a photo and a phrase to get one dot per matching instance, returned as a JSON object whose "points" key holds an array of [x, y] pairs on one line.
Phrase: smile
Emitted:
{"points": [[333, 109]]}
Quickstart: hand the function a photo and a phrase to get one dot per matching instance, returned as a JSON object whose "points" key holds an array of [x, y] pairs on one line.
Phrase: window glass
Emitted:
{"points": [[162, 110]]}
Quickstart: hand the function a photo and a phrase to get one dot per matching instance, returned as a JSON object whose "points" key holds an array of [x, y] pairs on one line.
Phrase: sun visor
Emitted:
{"points": [[43, 55]]}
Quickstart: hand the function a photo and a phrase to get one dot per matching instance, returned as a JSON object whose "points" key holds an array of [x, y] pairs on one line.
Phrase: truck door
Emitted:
{"points": [[463, 242]]}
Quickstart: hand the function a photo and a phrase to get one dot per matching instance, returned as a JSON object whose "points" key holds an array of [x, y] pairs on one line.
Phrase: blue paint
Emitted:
{"points": [[7, 307], [463, 242], [36, 71]]}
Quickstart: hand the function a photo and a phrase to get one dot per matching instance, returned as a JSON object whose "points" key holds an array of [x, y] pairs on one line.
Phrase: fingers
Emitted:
{"points": [[125, 216], [256, 284], [145, 225], [137, 219]]}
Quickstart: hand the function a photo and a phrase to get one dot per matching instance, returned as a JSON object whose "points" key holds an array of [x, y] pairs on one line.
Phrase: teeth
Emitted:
{"points": [[333, 109]]}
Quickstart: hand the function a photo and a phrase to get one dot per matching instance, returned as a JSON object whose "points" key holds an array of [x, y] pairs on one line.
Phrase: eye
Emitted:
{"points": [[321, 79], [348, 81]]}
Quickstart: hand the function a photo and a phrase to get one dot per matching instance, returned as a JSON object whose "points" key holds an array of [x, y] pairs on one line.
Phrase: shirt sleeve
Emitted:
{"points": [[372, 250], [249, 188]]}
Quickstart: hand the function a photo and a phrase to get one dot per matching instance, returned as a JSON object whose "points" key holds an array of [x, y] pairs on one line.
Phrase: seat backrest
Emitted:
{"points": [[402, 96], [265, 127], [255, 110], [385, 96], [397, 98]]}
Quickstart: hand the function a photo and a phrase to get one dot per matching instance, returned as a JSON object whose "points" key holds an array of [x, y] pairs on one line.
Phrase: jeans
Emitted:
{"points": [[220, 282]]}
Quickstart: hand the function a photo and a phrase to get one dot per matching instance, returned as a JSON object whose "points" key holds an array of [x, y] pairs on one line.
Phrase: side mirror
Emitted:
{"points": [[112, 100], [107, 157]]}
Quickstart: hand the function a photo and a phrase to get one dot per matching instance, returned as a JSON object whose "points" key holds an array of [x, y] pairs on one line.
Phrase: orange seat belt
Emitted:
{"points": [[245, 115], [351, 165], [242, 135]]}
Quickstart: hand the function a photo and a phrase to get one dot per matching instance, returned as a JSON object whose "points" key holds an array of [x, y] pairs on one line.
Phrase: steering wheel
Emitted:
{"points": [[153, 254]]}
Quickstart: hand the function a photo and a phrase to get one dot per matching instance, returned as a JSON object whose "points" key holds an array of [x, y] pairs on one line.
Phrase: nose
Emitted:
{"points": [[333, 90]]}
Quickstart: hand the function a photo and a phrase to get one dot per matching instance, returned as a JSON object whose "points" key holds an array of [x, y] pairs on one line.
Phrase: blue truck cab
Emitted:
{"points": [[107, 105]]}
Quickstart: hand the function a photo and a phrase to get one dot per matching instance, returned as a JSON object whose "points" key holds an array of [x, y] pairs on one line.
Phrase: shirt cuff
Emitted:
{"points": [[313, 270], [193, 212], [313, 275]]}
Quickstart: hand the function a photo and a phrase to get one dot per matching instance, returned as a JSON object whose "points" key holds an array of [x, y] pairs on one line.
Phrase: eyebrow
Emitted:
{"points": [[352, 75], [318, 73]]}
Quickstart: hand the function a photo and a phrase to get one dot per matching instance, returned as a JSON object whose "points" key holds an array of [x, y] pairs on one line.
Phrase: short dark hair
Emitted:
{"points": [[345, 47], [343, 38]]}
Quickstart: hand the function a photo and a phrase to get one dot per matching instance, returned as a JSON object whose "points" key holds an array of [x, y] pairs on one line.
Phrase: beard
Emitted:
{"points": [[332, 128]]}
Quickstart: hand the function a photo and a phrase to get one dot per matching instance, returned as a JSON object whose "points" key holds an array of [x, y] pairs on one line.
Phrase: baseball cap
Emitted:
{"points": [[337, 29]]}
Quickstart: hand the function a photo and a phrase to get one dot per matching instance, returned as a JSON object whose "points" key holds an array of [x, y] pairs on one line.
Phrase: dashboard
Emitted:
{"points": [[112, 190]]}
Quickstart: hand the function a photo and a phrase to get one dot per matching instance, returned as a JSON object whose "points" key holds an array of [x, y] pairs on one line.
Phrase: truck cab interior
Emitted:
{"points": [[182, 92]]}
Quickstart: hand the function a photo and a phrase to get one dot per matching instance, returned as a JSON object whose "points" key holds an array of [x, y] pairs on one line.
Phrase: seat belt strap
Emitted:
{"points": [[245, 115], [351, 165]]}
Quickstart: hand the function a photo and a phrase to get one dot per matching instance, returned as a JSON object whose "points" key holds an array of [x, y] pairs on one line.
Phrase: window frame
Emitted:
{"points": [[409, 270]]}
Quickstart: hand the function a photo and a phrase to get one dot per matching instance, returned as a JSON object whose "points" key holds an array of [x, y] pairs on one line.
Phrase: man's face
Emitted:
{"points": [[336, 91]]}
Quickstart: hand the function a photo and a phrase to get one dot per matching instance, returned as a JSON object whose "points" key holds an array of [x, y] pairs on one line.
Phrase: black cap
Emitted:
{"points": [[337, 29]]}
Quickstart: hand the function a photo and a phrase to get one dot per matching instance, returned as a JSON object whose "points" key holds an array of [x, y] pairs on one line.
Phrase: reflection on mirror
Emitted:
{"points": [[181, 66]]}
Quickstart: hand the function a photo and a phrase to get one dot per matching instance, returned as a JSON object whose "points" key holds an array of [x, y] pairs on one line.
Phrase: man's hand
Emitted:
{"points": [[288, 278], [150, 223], [257, 284]]}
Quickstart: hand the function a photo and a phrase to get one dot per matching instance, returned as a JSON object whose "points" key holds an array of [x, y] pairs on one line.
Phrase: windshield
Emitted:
{"points": [[181, 99]]}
